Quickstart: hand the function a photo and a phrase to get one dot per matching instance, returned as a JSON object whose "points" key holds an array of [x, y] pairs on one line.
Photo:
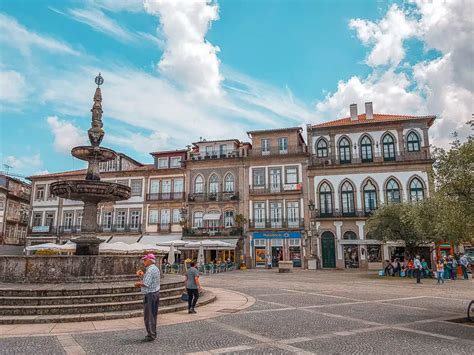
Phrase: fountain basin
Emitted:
{"points": [[90, 190], [89, 153]]}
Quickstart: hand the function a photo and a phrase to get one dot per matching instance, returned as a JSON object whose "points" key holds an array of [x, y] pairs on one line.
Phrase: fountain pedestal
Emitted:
{"points": [[87, 245]]}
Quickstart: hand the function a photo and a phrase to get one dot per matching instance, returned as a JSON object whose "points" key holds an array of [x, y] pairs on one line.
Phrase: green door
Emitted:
{"points": [[328, 250]]}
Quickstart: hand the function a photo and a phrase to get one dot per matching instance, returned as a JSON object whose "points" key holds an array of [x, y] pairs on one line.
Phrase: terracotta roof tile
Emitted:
{"points": [[81, 172], [362, 119]]}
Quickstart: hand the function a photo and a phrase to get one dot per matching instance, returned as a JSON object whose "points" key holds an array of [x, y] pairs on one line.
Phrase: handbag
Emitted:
{"points": [[184, 297]]}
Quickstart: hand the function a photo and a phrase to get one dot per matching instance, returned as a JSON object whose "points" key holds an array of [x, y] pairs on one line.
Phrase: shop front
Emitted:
{"points": [[269, 248]]}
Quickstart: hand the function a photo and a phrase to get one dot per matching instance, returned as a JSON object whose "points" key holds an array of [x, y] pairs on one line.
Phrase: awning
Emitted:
{"points": [[127, 239], [159, 238], [359, 241], [211, 217], [211, 244]]}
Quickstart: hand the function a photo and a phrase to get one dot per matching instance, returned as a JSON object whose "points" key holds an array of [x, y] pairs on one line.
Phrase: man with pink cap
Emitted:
{"points": [[150, 287]]}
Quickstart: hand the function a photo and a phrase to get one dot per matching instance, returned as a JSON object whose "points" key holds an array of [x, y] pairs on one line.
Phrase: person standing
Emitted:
{"points": [[193, 286], [150, 288], [440, 271], [418, 268], [464, 263]]}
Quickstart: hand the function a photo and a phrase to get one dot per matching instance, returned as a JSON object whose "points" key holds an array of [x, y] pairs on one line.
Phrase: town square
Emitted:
{"points": [[196, 177]]}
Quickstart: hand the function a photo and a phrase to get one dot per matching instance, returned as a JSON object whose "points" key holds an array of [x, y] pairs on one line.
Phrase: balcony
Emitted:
{"points": [[209, 197], [220, 231], [338, 214], [276, 151], [277, 224], [226, 154], [165, 196], [42, 230], [130, 228], [276, 189]]}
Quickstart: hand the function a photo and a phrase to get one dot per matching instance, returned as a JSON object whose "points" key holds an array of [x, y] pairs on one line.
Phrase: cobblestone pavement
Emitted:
{"points": [[325, 312]]}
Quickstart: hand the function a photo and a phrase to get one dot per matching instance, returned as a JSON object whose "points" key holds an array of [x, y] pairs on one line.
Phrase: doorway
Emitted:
{"points": [[276, 256], [328, 250]]}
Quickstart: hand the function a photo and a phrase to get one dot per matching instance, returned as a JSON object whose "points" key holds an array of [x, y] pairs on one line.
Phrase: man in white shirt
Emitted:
{"points": [[418, 268]]}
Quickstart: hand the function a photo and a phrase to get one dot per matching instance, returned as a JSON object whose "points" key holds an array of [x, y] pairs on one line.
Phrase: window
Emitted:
{"points": [[178, 188], [175, 162], [197, 220], [349, 235], [121, 219], [68, 220], [79, 215], [153, 216], [322, 148], [223, 149], [293, 214], [413, 142], [49, 219], [416, 190], [37, 219], [325, 199], [2, 203], [393, 191], [344, 151], [370, 197], [283, 145], [209, 150], [274, 174], [165, 219], [50, 194], [291, 175], [347, 197], [228, 219], [259, 214], [136, 187], [162, 163], [199, 185], [40, 192], [265, 144], [276, 214], [374, 253], [229, 183], [154, 186], [366, 149], [166, 189], [176, 216], [388, 147], [213, 184], [258, 177], [107, 220], [122, 182], [135, 220]]}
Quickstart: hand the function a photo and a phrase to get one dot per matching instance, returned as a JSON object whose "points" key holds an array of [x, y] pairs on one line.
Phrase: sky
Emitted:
{"points": [[176, 71]]}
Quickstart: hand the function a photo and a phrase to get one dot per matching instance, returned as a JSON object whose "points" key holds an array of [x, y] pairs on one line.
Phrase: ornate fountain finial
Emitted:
{"points": [[96, 133]]}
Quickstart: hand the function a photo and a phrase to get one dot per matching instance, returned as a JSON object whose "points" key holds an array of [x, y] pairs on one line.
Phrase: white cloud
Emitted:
{"points": [[139, 142], [19, 164], [189, 59], [41, 172], [119, 5], [386, 36], [17, 36], [12, 86], [66, 135]]}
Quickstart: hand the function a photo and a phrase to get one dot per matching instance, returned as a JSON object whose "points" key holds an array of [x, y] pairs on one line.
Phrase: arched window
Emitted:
{"points": [[229, 183], [388, 147], [393, 191], [370, 197], [413, 142], [322, 148], [197, 220], [366, 149], [347, 199], [344, 151], [416, 190], [213, 184], [325, 199], [213, 220], [349, 235], [199, 185]]}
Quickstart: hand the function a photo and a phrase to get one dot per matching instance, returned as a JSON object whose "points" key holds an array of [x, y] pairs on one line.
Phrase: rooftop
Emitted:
{"points": [[80, 172], [286, 129], [378, 117]]}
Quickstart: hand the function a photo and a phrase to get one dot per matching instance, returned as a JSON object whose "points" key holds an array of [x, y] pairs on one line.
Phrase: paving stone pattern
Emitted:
{"points": [[320, 312]]}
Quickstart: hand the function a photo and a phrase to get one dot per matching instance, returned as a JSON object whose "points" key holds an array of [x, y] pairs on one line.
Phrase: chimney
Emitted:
{"points": [[369, 111], [353, 109]]}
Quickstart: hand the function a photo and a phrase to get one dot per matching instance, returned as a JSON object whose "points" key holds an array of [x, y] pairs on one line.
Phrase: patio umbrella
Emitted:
{"points": [[45, 246], [171, 255], [119, 247], [200, 259], [176, 243]]}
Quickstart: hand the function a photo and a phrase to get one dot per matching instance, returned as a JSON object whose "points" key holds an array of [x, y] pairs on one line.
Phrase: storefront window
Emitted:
{"points": [[351, 256], [295, 252], [374, 253], [260, 252]]}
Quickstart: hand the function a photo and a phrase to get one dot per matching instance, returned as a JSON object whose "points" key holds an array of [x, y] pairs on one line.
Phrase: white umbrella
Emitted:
{"points": [[119, 247], [200, 259], [69, 246], [171, 255], [176, 243], [45, 246], [138, 247], [209, 244]]}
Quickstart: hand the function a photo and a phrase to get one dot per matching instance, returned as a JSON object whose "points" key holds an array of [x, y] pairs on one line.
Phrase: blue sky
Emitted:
{"points": [[178, 70]]}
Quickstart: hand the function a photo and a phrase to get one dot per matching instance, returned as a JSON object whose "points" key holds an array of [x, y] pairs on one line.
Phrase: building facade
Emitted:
{"points": [[276, 171], [357, 164], [14, 210]]}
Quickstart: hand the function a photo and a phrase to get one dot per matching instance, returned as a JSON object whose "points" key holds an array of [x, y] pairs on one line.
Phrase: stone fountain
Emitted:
{"points": [[91, 191]]}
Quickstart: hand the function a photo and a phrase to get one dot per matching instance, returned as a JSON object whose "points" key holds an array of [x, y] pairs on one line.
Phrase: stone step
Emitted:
{"points": [[52, 290], [83, 299], [63, 309], [206, 298]]}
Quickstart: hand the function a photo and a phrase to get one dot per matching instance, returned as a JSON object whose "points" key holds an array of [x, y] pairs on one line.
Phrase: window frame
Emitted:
{"points": [[417, 190], [200, 183], [254, 175], [322, 151], [371, 194], [227, 183], [390, 191], [411, 143], [162, 159], [386, 151], [296, 174], [136, 181], [175, 159], [348, 196], [366, 149], [347, 151], [325, 196], [283, 140]]}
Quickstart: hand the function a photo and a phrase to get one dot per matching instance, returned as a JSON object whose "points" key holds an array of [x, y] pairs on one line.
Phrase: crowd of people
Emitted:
{"points": [[445, 269]]}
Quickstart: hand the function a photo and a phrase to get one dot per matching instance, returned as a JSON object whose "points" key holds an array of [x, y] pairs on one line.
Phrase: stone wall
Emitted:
{"points": [[59, 268]]}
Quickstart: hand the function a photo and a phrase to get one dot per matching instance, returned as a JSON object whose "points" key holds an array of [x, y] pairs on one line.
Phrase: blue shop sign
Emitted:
{"points": [[276, 235]]}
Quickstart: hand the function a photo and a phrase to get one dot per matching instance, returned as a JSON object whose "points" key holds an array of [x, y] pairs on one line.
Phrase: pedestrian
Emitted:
{"points": [[411, 268], [440, 271], [150, 288], [418, 268], [464, 263], [426, 270], [193, 286]]}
